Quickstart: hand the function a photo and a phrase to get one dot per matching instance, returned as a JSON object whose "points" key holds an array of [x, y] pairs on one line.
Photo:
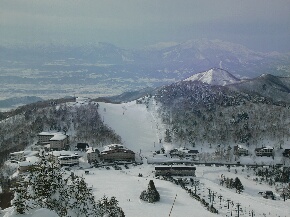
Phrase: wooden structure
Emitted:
{"points": [[175, 170]]}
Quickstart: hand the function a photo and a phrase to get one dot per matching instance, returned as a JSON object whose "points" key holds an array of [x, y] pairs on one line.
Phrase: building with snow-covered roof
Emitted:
{"points": [[17, 156], [28, 164], [57, 140], [113, 147], [64, 158], [117, 152], [44, 137], [24, 166], [184, 152], [93, 155], [22, 155], [241, 150], [175, 170], [264, 151]]}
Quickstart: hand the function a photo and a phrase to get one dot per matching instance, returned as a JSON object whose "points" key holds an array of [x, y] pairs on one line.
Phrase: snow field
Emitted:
{"points": [[126, 186], [249, 198], [140, 128], [134, 124]]}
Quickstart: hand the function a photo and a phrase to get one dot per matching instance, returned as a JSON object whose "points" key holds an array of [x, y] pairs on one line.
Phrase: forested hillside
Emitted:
{"points": [[197, 112], [81, 122]]}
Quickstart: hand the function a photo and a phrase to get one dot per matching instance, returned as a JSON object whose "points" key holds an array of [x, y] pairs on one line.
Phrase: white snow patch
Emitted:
{"points": [[214, 76]]}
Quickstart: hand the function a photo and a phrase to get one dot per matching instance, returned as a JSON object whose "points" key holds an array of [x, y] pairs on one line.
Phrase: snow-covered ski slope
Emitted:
{"points": [[138, 126]]}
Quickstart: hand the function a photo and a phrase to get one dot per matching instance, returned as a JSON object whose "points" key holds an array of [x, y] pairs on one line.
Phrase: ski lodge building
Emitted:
{"points": [[56, 141], [117, 152], [175, 170]]}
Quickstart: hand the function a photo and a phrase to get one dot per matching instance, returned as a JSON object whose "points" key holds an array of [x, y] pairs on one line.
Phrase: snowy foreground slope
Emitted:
{"points": [[140, 129], [127, 187]]}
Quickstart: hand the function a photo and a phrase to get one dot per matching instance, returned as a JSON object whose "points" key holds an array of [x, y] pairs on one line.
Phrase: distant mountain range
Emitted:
{"points": [[272, 87], [104, 69], [170, 58], [18, 101]]}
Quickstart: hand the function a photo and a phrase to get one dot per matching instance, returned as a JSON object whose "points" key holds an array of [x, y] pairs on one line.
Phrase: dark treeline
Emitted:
{"points": [[196, 112]]}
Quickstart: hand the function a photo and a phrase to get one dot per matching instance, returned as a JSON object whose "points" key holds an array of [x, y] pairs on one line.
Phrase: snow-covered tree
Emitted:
{"points": [[238, 185], [109, 208], [47, 187], [20, 200], [150, 195]]}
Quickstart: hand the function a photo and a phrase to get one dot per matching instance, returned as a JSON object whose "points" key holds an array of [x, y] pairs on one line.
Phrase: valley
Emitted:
{"points": [[51, 71]]}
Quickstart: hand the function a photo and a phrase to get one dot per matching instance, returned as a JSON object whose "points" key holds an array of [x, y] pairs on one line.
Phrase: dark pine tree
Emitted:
{"points": [[238, 185], [150, 195]]}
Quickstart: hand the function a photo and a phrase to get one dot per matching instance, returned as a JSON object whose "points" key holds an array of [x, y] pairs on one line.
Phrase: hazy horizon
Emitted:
{"points": [[261, 25]]}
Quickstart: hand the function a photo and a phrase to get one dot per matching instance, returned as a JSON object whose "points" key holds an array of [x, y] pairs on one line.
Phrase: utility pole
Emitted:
{"points": [[228, 200], [209, 194], [220, 197], [252, 213], [195, 183], [238, 205], [213, 195], [209, 191]]}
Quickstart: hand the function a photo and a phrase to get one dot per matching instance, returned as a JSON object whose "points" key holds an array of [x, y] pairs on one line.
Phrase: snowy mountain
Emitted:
{"points": [[214, 76], [270, 86], [53, 71]]}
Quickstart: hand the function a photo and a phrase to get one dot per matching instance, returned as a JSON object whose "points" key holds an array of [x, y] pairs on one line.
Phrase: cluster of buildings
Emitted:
{"points": [[28, 159], [266, 151], [54, 145], [64, 158], [184, 153]]}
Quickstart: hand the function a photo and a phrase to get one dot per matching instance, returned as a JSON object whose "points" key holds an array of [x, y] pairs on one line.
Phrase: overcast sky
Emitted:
{"points": [[258, 24]]}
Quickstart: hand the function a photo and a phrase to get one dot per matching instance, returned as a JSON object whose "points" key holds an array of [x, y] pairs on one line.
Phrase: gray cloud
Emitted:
{"points": [[260, 24]]}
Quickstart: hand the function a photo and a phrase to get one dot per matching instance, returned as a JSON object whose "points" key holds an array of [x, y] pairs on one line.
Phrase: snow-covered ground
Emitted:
{"points": [[126, 186], [250, 199], [41, 212], [141, 131]]}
